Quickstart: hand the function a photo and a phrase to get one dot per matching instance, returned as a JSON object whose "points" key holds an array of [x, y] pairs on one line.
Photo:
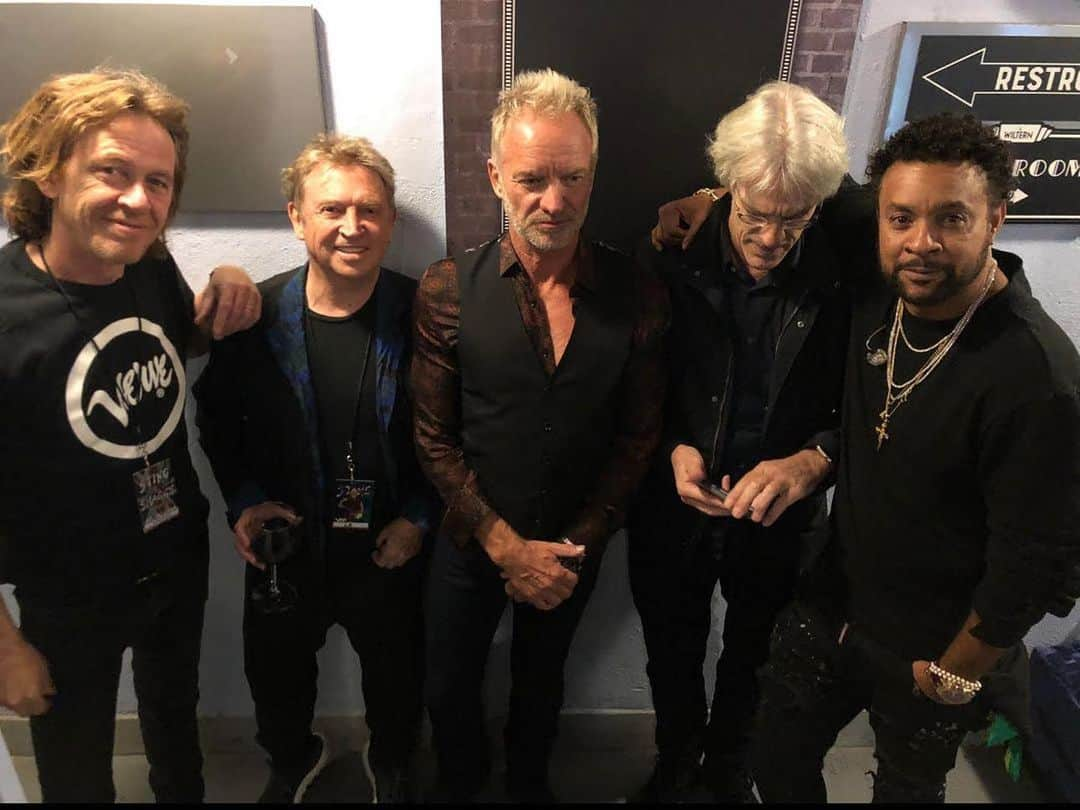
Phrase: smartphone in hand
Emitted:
{"points": [[713, 488]]}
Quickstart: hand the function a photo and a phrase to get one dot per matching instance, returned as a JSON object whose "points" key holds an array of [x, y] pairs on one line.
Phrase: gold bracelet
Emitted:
{"points": [[824, 455], [708, 192]]}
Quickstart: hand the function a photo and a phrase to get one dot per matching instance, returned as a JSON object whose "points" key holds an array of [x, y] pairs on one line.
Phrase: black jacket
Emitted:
{"points": [[805, 386], [258, 421]]}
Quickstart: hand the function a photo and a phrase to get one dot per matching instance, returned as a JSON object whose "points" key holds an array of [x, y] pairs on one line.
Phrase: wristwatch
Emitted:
{"points": [[952, 689]]}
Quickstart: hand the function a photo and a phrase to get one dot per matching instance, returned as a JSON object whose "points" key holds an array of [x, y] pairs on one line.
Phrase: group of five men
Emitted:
{"points": [[523, 402]]}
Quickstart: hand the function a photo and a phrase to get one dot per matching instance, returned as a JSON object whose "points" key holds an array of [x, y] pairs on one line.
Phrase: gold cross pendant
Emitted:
{"points": [[882, 435]]}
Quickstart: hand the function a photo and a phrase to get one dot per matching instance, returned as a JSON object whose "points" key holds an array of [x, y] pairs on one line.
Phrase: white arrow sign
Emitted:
{"points": [[966, 77]]}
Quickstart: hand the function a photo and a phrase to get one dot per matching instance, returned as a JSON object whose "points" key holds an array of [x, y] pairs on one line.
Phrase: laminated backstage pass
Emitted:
{"points": [[354, 498], [154, 491]]}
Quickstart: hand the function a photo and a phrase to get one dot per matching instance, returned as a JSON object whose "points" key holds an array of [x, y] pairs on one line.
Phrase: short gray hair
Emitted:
{"points": [[782, 140], [544, 92]]}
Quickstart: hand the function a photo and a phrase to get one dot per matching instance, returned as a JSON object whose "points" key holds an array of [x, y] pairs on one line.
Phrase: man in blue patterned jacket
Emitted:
{"points": [[300, 417]]}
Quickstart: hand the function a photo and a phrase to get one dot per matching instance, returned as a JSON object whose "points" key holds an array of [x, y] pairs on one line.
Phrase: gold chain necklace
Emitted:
{"points": [[897, 393], [915, 349]]}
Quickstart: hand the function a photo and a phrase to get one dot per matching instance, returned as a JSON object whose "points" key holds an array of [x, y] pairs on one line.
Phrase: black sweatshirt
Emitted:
{"points": [[974, 499]]}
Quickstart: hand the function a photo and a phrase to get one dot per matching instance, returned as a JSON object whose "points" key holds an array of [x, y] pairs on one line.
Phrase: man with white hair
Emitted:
{"points": [[759, 320], [538, 383]]}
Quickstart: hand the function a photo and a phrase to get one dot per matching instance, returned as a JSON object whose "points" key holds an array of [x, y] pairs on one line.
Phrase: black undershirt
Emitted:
{"points": [[756, 314], [336, 352]]}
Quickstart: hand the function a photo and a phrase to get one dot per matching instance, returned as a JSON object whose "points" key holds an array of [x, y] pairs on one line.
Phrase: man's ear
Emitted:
{"points": [[296, 220], [997, 217], [495, 178], [49, 187]]}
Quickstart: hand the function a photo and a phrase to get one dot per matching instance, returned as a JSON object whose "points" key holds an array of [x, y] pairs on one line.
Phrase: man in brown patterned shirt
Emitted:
{"points": [[538, 379]]}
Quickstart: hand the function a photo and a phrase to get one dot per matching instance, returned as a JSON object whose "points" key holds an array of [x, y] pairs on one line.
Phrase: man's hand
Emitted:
{"points": [[534, 574], [251, 522], [772, 486], [689, 468], [230, 303], [398, 543], [679, 221], [25, 683]]}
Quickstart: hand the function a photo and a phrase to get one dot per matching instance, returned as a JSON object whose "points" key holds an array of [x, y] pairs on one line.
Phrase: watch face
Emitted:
{"points": [[952, 694]]}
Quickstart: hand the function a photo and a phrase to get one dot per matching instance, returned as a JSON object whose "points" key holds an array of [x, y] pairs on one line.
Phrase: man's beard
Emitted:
{"points": [[562, 237], [953, 282]]}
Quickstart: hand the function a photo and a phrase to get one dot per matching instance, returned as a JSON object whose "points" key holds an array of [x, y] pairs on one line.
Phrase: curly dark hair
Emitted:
{"points": [[948, 138]]}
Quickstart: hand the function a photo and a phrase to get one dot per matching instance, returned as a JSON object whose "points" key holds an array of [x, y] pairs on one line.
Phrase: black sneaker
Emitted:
{"points": [[289, 788], [390, 784]]}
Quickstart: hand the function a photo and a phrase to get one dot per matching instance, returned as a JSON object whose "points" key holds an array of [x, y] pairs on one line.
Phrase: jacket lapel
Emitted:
{"points": [[285, 336]]}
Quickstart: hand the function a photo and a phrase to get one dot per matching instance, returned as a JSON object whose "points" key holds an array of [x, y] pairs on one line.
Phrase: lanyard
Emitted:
{"points": [[141, 444], [350, 460]]}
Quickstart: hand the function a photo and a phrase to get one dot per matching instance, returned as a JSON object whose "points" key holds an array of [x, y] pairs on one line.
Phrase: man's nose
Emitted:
{"points": [[351, 222], [553, 198], [135, 196], [922, 239]]}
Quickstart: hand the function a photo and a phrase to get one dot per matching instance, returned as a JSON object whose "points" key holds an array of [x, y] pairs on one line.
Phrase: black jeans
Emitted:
{"points": [[162, 622], [812, 688], [756, 569], [380, 610], [466, 598]]}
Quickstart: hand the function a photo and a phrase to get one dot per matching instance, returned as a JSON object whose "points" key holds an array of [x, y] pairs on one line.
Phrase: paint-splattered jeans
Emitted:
{"points": [[812, 687]]}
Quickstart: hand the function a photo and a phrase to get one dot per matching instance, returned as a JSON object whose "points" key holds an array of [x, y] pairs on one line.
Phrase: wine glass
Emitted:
{"points": [[276, 542]]}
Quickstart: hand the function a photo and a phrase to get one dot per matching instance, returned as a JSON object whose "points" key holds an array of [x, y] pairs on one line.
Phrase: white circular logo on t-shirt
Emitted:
{"points": [[150, 371]]}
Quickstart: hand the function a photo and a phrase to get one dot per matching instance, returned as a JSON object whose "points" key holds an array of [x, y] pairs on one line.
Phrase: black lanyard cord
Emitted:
{"points": [[349, 460], [93, 341]]}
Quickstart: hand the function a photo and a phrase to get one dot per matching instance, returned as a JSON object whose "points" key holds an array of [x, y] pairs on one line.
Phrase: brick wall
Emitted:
{"points": [[823, 47], [472, 76]]}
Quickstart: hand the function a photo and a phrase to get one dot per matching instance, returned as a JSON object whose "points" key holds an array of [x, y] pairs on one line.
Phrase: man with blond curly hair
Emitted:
{"points": [[101, 517]]}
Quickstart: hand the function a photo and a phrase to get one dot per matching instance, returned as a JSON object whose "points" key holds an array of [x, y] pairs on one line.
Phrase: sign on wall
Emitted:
{"points": [[1024, 80]]}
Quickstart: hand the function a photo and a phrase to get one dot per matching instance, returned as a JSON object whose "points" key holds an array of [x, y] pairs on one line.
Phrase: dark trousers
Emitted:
{"points": [[380, 610], [756, 569], [465, 601], [812, 688], [73, 742]]}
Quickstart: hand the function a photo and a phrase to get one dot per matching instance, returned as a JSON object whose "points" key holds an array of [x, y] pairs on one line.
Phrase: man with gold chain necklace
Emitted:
{"points": [[958, 494]]}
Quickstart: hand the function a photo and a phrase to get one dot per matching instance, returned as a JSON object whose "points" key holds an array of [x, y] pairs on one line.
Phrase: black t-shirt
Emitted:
{"points": [[70, 417], [978, 479], [339, 351]]}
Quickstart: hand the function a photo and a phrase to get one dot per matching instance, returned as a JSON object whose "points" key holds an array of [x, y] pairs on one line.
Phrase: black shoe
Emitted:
{"points": [[530, 791], [732, 786], [672, 783], [390, 784], [289, 787]]}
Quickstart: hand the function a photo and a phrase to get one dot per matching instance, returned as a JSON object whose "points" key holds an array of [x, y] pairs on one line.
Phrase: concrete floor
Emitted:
{"points": [[600, 758]]}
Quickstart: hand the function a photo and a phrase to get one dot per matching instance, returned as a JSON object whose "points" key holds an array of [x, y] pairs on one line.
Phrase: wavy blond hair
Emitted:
{"points": [[336, 150], [40, 137]]}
